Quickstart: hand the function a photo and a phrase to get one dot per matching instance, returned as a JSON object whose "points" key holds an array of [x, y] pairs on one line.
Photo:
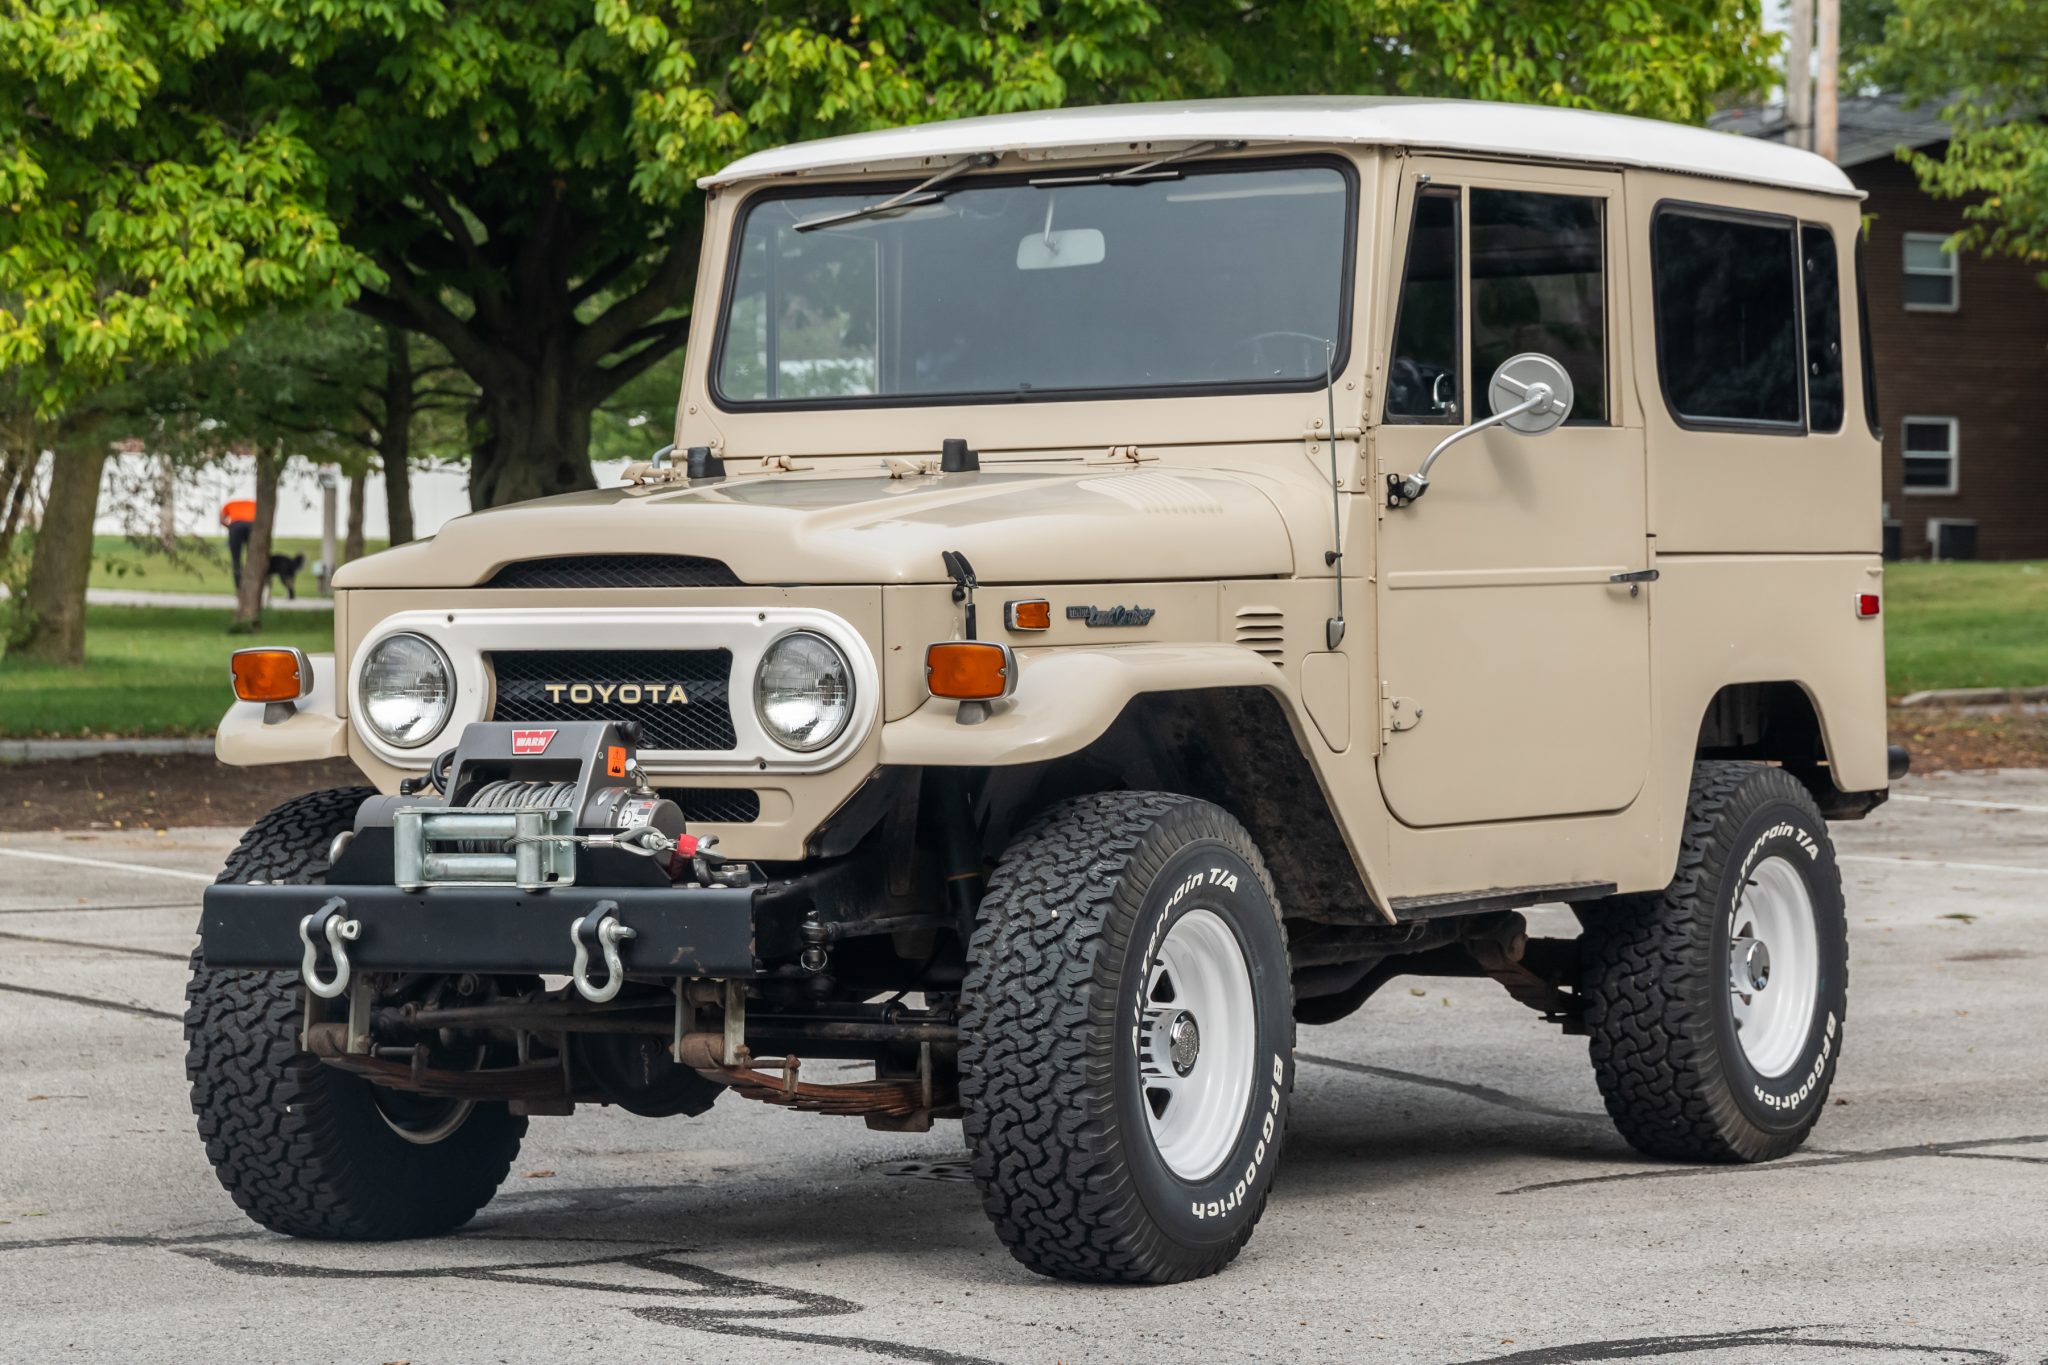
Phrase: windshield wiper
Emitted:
{"points": [[1150, 170], [924, 193]]}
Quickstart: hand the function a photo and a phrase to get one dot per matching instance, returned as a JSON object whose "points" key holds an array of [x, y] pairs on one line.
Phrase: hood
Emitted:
{"points": [[1101, 524]]}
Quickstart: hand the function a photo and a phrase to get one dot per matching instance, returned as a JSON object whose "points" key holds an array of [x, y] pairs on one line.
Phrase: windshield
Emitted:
{"points": [[1234, 278]]}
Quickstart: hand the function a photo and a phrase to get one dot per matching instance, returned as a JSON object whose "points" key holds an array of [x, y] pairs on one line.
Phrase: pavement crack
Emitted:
{"points": [[100, 947], [1636, 1348], [699, 1290], [1918, 1149], [121, 1006], [1485, 1093]]}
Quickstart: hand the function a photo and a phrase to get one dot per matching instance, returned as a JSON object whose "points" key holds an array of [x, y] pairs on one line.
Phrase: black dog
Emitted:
{"points": [[285, 569]]}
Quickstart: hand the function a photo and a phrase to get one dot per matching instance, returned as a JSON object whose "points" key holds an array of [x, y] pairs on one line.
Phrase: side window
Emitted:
{"points": [[1823, 286], [1931, 455], [1868, 357], [1932, 275], [1422, 381], [1539, 283], [1727, 304]]}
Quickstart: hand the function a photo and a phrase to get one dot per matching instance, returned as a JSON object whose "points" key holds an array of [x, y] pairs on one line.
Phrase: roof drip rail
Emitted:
{"points": [[923, 193], [1150, 170]]}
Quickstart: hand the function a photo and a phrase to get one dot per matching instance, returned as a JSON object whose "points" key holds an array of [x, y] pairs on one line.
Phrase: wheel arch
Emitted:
{"points": [[1240, 748], [1780, 721]]}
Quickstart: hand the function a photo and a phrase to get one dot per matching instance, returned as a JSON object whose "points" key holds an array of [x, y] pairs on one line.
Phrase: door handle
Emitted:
{"points": [[1635, 578]]}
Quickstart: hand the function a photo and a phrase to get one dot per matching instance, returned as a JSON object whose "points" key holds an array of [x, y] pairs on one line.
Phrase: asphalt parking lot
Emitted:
{"points": [[1452, 1191]]}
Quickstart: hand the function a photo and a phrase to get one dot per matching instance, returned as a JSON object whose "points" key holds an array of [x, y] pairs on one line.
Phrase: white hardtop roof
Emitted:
{"points": [[1522, 131]]}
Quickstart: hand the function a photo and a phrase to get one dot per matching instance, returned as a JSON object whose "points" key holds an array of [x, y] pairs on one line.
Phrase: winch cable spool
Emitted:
{"points": [[507, 794]]}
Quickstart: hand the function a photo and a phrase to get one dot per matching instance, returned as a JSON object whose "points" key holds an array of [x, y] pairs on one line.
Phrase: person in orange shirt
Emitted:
{"points": [[239, 516]]}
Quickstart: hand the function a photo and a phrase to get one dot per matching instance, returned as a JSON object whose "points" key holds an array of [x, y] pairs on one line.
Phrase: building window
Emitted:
{"points": [[1727, 295], [1930, 447], [1931, 279], [1539, 283]]}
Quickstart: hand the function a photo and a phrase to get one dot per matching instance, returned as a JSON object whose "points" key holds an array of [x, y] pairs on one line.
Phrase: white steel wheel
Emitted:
{"points": [[1198, 1044], [1773, 966]]}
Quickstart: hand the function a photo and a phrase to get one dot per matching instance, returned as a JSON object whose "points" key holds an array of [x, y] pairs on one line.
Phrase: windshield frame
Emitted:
{"points": [[735, 245]]}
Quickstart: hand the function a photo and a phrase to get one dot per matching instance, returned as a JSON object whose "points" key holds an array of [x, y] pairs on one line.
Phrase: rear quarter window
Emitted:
{"points": [[1726, 290]]}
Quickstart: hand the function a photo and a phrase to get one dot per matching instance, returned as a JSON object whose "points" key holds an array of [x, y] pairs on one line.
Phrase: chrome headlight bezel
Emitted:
{"points": [[366, 699], [846, 707]]}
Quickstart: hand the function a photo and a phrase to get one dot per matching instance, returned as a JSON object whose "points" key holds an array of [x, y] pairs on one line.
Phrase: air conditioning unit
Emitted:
{"points": [[1951, 538]]}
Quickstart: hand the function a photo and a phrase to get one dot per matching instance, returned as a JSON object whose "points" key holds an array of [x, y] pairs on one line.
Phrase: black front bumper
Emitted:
{"points": [[700, 932]]}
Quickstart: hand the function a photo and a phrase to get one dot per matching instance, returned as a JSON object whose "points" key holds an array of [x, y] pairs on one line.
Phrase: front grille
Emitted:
{"points": [[615, 571], [623, 684], [716, 805]]}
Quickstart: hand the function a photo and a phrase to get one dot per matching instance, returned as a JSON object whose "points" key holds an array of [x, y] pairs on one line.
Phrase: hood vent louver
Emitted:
{"points": [[1263, 630], [615, 571]]}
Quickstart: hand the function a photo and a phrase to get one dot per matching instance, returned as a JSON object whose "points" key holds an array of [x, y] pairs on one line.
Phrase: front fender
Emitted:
{"points": [[1065, 700], [312, 731]]}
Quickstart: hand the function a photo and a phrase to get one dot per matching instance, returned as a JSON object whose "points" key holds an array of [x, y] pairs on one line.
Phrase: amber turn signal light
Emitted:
{"points": [[970, 670], [271, 674], [1033, 613]]}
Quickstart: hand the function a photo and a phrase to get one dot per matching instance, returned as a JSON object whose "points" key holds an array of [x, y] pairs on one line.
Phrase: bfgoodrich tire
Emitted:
{"points": [[1715, 1007], [1127, 1050], [303, 1148]]}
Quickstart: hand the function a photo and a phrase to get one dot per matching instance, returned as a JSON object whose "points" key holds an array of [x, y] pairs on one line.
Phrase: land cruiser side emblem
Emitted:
{"points": [[1111, 616], [625, 694]]}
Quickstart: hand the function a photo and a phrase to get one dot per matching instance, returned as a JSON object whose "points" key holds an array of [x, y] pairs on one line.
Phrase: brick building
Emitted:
{"points": [[1962, 353]]}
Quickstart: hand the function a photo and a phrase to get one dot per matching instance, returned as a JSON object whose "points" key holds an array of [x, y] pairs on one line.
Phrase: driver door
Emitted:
{"points": [[1514, 667]]}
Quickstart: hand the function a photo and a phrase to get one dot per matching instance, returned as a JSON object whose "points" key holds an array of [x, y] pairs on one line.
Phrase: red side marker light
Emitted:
{"points": [[1866, 605]]}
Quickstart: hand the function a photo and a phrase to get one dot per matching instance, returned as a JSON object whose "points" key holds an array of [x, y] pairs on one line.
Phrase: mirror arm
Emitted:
{"points": [[1403, 489]]}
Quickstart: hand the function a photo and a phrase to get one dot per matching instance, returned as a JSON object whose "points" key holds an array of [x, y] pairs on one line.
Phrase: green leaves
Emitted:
{"points": [[136, 230], [1984, 66]]}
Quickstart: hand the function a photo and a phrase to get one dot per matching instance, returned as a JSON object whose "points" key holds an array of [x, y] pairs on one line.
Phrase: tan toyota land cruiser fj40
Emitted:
{"points": [[1134, 580]]}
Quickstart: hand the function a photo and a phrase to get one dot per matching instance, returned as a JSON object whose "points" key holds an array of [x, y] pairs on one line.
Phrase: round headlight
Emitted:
{"points": [[804, 691], [408, 690]]}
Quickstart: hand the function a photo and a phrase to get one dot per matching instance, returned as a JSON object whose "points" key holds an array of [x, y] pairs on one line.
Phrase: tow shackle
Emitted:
{"points": [[329, 924], [599, 931]]}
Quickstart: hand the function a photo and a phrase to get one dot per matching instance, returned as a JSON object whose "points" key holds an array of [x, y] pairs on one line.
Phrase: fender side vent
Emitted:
{"points": [[1263, 630]]}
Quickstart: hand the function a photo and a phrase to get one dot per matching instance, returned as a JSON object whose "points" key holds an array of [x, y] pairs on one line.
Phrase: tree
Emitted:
{"points": [[136, 228], [1986, 65], [522, 172]]}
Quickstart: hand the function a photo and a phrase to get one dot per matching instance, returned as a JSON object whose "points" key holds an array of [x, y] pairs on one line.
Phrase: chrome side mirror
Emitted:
{"points": [[1530, 394]]}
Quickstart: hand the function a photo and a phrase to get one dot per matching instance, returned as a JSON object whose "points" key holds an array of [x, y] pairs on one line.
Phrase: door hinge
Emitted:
{"points": [[1398, 714]]}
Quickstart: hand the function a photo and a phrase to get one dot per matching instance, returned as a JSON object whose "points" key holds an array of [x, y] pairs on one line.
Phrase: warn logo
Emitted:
{"points": [[532, 741]]}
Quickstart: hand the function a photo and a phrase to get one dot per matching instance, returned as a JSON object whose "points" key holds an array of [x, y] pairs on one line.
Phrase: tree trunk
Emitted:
{"points": [[394, 441], [352, 539], [167, 503], [52, 622], [532, 439], [17, 481], [256, 569]]}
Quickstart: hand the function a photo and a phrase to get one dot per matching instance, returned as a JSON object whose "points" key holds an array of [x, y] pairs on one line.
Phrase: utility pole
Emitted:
{"points": [[1827, 113], [330, 551], [1799, 77]]}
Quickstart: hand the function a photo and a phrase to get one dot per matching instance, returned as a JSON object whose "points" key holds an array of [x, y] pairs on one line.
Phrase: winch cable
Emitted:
{"points": [[507, 794]]}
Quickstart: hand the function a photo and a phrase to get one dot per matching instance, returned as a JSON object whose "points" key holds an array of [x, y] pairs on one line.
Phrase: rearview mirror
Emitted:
{"points": [[1058, 250], [1511, 386], [1530, 394]]}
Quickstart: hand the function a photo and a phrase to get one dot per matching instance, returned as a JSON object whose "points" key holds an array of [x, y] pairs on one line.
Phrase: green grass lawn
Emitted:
{"points": [[148, 671], [201, 564], [1965, 625]]}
